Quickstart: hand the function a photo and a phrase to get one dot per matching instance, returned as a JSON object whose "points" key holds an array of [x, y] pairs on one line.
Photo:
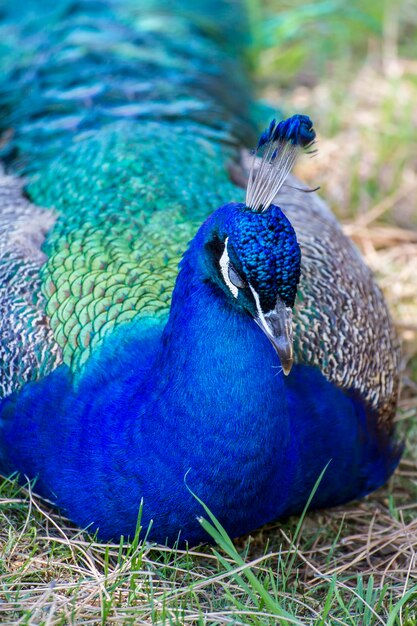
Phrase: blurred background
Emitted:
{"points": [[352, 66]]}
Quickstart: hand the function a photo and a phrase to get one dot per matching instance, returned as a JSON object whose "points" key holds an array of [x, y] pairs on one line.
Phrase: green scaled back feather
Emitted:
{"points": [[137, 205]]}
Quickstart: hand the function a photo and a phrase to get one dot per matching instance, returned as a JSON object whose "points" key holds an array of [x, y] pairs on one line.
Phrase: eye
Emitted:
{"points": [[235, 278]]}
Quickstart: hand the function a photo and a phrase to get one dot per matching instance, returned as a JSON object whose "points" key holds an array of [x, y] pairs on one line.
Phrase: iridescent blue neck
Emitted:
{"points": [[208, 348]]}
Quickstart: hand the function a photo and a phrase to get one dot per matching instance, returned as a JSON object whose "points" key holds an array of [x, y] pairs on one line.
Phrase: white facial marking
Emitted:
{"points": [[224, 268], [260, 320]]}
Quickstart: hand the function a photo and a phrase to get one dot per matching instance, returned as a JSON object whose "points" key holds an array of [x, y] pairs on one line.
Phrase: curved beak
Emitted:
{"points": [[277, 326]]}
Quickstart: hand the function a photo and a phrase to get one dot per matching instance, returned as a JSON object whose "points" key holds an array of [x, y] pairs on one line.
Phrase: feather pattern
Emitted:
{"points": [[333, 272]]}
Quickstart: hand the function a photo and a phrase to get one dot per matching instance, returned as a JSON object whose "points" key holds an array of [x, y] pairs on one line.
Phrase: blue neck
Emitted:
{"points": [[214, 356]]}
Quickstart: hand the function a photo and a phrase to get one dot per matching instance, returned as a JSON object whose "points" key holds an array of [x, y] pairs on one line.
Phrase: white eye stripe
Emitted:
{"points": [[224, 268], [261, 317]]}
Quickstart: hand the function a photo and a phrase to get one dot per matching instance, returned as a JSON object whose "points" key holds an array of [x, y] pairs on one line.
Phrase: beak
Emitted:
{"points": [[277, 326]]}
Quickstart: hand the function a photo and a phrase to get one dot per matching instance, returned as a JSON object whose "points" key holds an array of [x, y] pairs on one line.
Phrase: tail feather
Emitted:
{"points": [[75, 67]]}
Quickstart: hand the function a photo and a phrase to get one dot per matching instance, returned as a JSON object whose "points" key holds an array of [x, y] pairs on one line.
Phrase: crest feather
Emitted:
{"points": [[278, 146]]}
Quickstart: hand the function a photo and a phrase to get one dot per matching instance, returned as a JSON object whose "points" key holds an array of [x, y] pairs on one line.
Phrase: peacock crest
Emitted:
{"points": [[278, 147]]}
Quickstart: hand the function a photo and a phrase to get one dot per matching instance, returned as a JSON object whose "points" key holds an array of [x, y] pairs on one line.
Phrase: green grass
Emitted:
{"points": [[352, 67], [298, 40], [53, 574]]}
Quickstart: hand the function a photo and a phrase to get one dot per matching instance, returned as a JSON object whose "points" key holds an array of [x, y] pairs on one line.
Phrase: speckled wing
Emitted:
{"points": [[342, 323], [28, 350]]}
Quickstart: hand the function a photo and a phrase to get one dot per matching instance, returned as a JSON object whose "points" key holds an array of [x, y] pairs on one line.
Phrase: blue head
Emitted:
{"points": [[249, 253], [252, 261]]}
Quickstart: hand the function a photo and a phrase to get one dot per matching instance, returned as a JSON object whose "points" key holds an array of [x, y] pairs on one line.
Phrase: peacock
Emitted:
{"points": [[179, 315]]}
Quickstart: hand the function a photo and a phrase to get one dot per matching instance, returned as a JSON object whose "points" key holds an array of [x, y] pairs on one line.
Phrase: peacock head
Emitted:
{"points": [[252, 253]]}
